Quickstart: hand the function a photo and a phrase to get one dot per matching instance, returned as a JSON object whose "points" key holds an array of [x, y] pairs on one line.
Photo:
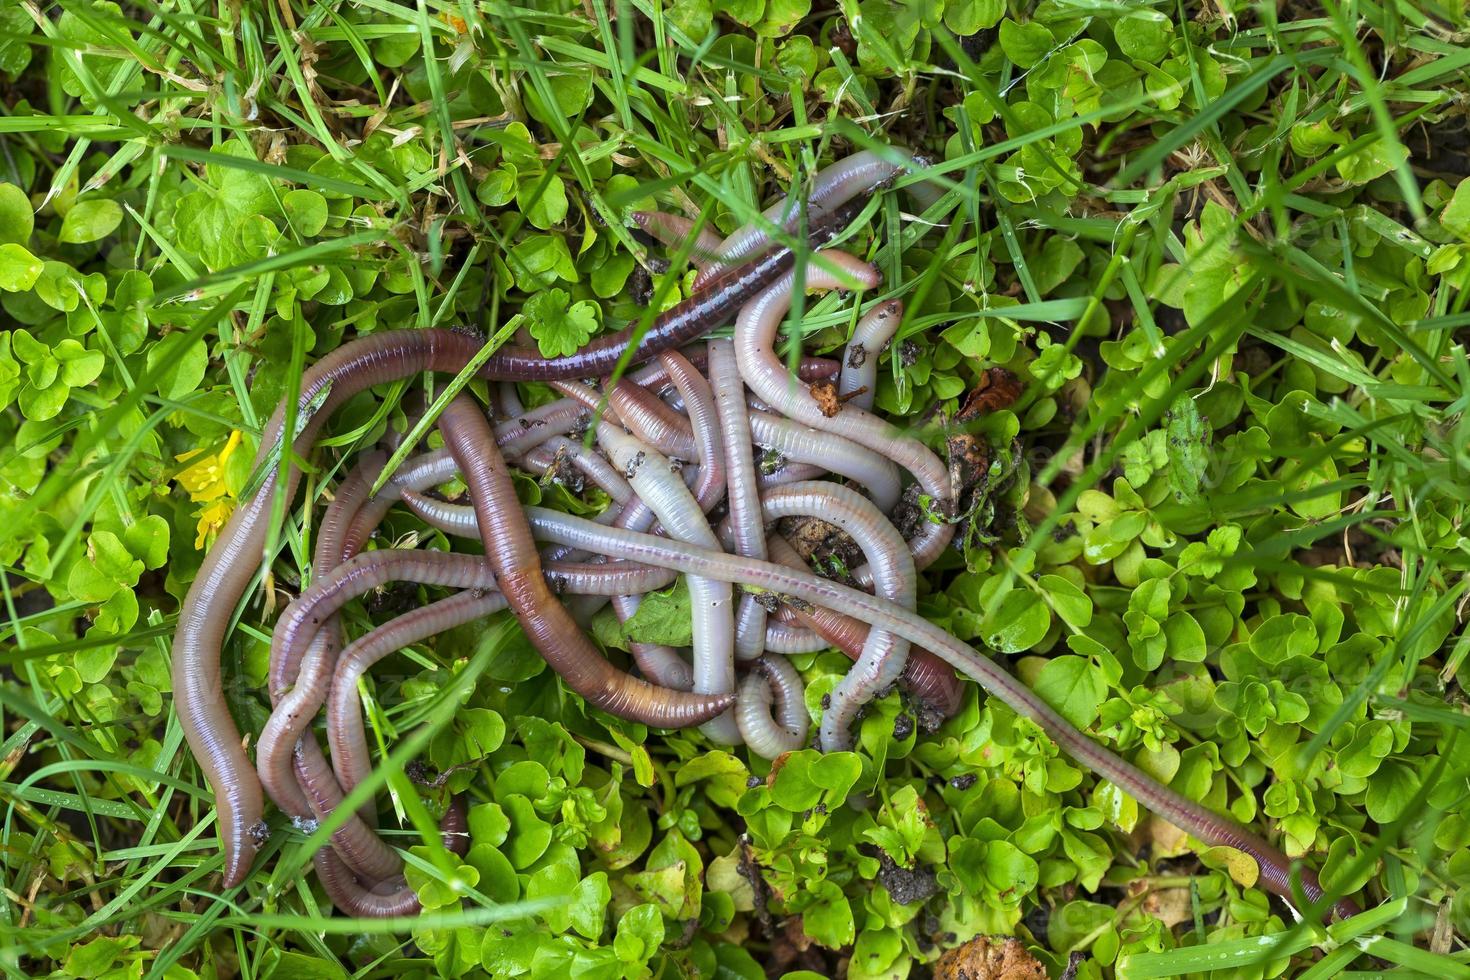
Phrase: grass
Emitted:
{"points": [[1258, 213]]}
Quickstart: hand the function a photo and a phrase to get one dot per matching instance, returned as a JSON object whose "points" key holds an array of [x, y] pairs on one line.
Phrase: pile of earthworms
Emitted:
{"points": [[702, 450]]}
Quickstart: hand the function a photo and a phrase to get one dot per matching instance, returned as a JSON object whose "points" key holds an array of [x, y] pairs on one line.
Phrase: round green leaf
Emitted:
{"points": [[1143, 36], [1019, 623], [1074, 686], [91, 220], [306, 210], [1025, 44], [1069, 601], [16, 218], [184, 373], [19, 269]]}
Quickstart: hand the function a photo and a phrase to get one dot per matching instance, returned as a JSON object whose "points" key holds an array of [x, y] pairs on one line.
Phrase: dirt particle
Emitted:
{"points": [[903, 726], [769, 601], [824, 546], [824, 393], [907, 886], [989, 958]]}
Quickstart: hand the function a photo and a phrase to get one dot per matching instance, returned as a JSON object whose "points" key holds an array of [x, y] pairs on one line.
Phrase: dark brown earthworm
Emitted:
{"points": [[715, 302], [511, 552], [393, 898], [853, 177]]}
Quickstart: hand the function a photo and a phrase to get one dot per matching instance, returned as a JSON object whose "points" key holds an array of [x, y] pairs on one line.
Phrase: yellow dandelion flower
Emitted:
{"points": [[204, 481]]}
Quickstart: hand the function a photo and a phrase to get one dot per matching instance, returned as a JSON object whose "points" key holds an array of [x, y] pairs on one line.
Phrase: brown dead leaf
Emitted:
{"points": [[998, 389], [1168, 840], [1170, 906]]}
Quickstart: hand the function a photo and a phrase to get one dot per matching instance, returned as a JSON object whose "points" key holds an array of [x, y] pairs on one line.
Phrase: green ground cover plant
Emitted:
{"points": [[1224, 248]]}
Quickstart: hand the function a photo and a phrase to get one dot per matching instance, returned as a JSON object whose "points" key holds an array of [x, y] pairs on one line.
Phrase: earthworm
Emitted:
{"points": [[755, 331], [788, 472], [366, 854], [507, 400], [742, 496], [772, 683], [658, 662], [884, 655], [384, 899], [834, 186], [874, 474], [1211, 828], [787, 638], [808, 368], [350, 755], [655, 423], [709, 486], [858, 383], [710, 602], [512, 554], [639, 411], [713, 303], [673, 230], [519, 435]]}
